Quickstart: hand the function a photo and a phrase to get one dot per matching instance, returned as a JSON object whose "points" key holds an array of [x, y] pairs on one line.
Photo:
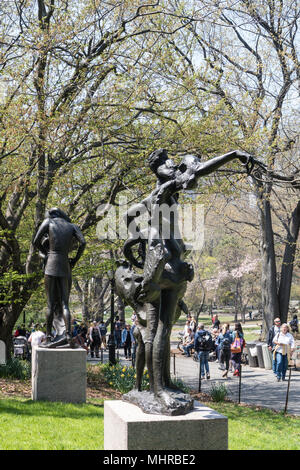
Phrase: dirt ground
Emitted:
{"points": [[96, 389]]}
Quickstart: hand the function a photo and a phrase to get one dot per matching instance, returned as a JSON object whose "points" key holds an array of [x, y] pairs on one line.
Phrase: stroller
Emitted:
{"points": [[21, 348]]}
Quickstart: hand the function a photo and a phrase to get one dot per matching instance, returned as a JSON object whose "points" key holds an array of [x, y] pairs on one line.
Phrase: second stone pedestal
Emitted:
{"points": [[59, 375], [126, 427]]}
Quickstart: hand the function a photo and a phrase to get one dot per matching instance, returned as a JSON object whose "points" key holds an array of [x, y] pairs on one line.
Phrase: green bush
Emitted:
{"points": [[16, 369], [218, 392]]}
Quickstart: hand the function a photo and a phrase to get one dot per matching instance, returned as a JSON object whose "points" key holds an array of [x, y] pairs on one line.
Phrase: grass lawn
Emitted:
{"points": [[259, 429], [25, 424], [28, 425]]}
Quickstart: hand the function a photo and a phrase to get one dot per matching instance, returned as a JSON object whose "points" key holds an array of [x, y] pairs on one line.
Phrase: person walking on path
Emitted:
{"points": [[273, 331], [103, 331], [189, 343], [294, 324], [216, 322], [237, 345], [118, 332], [284, 348], [37, 337], [203, 344], [127, 341], [95, 339], [224, 343]]}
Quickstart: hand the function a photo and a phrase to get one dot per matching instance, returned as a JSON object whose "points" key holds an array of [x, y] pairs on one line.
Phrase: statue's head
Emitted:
{"points": [[163, 167], [189, 163], [127, 282], [187, 171], [55, 212], [157, 158]]}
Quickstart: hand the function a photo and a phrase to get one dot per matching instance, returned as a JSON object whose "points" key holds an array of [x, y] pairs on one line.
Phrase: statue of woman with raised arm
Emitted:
{"points": [[157, 294]]}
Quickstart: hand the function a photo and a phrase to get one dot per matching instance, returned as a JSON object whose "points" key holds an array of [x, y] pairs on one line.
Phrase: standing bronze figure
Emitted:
{"points": [[54, 240], [157, 293]]}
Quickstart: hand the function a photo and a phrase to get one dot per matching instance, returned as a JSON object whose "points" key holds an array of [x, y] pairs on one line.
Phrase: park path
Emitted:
{"points": [[258, 386]]}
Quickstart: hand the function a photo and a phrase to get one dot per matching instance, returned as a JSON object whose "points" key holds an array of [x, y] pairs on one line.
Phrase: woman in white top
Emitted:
{"points": [[284, 348]]}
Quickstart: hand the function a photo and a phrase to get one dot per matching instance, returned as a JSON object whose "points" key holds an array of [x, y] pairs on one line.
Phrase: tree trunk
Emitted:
{"points": [[9, 315], [288, 264], [270, 302]]}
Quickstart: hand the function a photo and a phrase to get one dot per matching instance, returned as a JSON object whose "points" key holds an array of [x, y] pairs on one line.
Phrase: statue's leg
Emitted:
{"points": [[167, 375], [162, 341], [140, 360], [152, 322], [64, 285], [50, 285], [166, 372]]}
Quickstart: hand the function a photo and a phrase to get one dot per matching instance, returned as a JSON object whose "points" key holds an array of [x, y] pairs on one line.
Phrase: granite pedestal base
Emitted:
{"points": [[126, 427], [59, 375]]}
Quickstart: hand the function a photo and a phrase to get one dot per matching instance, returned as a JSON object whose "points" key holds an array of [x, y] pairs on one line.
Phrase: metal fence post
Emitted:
{"points": [[174, 366], [200, 381], [288, 390], [240, 383]]}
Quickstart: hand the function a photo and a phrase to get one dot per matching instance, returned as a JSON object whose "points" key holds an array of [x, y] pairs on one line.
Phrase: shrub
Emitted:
{"points": [[218, 392], [122, 378], [181, 385], [16, 369]]}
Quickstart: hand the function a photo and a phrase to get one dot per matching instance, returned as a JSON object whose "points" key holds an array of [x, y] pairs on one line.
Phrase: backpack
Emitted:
{"points": [[204, 342], [237, 345], [226, 344], [294, 325]]}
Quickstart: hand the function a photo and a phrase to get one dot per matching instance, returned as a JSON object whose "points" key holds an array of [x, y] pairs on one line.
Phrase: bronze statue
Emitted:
{"points": [[157, 293], [54, 240]]}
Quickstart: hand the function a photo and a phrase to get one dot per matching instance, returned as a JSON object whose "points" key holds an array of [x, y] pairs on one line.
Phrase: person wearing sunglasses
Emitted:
{"points": [[273, 331]]}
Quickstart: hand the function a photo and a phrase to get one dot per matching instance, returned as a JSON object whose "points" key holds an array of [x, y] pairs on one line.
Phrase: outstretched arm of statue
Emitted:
{"points": [[212, 165]]}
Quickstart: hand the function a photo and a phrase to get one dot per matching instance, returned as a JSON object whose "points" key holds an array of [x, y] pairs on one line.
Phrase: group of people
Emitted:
{"points": [[95, 337], [281, 343], [92, 337], [34, 334], [226, 344]]}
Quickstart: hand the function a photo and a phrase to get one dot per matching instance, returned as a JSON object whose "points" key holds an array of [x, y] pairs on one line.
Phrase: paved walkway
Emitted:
{"points": [[259, 386]]}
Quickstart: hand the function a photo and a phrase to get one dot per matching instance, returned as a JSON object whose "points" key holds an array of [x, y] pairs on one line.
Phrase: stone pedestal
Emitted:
{"points": [[126, 427], [59, 375]]}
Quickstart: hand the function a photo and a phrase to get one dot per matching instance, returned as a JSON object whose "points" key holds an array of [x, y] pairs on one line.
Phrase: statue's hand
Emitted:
{"points": [[244, 157], [247, 160], [72, 262]]}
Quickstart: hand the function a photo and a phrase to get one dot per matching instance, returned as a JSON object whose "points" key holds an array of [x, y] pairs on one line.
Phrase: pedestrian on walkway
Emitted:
{"points": [[224, 342], [203, 344], [37, 337], [216, 322], [103, 331], [237, 345], [127, 341], [284, 348], [271, 334], [118, 332], [95, 339], [294, 324], [188, 344]]}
